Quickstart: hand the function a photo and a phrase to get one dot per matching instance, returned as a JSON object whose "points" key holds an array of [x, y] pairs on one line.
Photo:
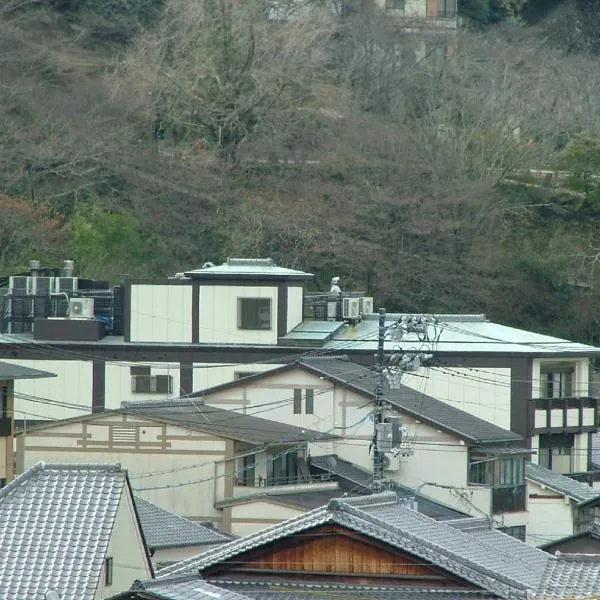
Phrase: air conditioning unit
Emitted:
{"points": [[390, 462], [351, 308], [81, 308], [65, 285], [366, 305], [39, 286], [17, 284]]}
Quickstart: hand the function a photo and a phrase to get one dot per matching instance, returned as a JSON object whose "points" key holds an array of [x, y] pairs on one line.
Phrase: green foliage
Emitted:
{"points": [[109, 244]]}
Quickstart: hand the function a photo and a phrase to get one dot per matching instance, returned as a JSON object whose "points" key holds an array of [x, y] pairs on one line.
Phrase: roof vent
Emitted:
{"points": [[251, 262]]}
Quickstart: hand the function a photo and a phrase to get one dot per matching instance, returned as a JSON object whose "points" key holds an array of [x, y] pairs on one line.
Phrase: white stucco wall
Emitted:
{"points": [[550, 515], [161, 313], [117, 386], [484, 393], [218, 315], [210, 374], [295, 303], [249, 517], [126, 547], [37, 398]]}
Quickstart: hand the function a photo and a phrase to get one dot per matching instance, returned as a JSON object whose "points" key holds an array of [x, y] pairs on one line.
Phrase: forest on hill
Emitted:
{"points": [[455, 172]]}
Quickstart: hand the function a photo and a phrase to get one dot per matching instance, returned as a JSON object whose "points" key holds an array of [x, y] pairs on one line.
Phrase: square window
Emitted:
{"points": [[254, 313], [297, 401], [310, 402]]}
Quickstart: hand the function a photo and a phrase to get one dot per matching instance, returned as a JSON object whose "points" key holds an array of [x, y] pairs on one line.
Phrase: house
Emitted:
{"points": [[171, 538], [183, 455], [559, 507], [371, 546], [162, 338], [448, 454], [72, 530], [586, 541], [8, 374]]}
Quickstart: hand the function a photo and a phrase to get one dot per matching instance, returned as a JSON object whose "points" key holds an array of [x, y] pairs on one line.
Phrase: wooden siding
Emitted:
{"points": [[335, 551]]}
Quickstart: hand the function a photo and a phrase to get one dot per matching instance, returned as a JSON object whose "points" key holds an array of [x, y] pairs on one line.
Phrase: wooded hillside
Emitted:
{"points": [[148, 137]]}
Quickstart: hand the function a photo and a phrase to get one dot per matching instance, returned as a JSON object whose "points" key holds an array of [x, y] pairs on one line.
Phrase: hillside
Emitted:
{"points": [[154, 138]]}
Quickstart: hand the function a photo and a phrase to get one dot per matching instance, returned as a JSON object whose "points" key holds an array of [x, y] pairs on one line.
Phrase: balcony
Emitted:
{"points": [[563, 415]]}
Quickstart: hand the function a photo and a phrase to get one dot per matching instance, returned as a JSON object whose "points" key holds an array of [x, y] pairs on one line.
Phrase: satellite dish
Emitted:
{"points": [[52, 595]]}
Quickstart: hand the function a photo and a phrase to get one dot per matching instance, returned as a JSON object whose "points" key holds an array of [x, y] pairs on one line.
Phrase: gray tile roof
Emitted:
{"points": [[14, 371], [572, 577], [193, 413], [412, 402], [55, 527], [357, 480], [297, 590], [485, 563], [164, 529], [576, 490], [187, 587]]}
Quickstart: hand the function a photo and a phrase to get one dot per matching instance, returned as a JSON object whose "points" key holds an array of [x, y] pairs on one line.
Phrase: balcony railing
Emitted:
{"points": [[268, 482], [563, 415]]}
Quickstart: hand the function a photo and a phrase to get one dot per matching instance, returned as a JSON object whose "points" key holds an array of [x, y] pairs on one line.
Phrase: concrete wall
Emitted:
{"points": [[218, 315], [37, 398], [161, 313], [249, 517]]}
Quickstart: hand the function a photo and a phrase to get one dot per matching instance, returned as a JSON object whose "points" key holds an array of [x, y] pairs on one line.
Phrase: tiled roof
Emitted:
{"points": [[164, 529], [193, 413], [55, 527], [412, 402], [572, 577], [298, 590], [358, 481], [15, 371], [580, 492], [187, 587], [486, 564]]}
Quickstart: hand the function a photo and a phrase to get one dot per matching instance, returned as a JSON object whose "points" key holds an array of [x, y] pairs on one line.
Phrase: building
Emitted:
{"points": [[559, 507], [8, 374], [446, 453], [163, 338], [371, 547], [171, 538], [72, 530], [185, 457]]}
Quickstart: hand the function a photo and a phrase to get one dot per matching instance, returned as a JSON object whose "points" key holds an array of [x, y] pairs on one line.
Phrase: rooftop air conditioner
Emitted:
{"points": [[64, 285], [366, 305], [351, 308], [390, 462], [81, 308]]}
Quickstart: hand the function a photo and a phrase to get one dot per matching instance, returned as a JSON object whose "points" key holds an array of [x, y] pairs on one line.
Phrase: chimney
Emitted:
{"points": [[34, 266], [68, 268]]}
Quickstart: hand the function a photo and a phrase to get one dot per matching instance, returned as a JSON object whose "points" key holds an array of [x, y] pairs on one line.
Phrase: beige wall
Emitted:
{"points": [[73, 385], [295, 304], [126, 547], [161, 313], [550, 515], [218, 315], [485, 393], [172, 456], [208, 375], [249, 517]]}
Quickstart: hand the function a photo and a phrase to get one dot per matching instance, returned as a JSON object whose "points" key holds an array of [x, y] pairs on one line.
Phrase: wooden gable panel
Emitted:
{"points": [[332, 550]]}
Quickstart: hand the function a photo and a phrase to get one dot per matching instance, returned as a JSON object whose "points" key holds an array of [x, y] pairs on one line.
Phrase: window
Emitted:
{"points": [[516, 531], [508, 499], [447, 9], [485, 469], [246, 471], [310, 402], [254, 313], [143, 382], [556, 452], [108, 571], [297, 401], [309, 399], [283, 469], [556, 382]]}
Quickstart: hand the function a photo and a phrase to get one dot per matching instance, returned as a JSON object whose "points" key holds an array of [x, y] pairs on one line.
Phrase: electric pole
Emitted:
{"points": [[378, 410]]}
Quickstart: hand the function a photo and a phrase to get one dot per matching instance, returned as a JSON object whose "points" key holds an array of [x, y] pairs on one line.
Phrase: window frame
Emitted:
{"points": [[241, 314], [108, 570]]}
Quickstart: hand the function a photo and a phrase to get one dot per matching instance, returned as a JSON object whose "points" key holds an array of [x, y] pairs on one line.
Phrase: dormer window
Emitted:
{"points": [[254, 313]]}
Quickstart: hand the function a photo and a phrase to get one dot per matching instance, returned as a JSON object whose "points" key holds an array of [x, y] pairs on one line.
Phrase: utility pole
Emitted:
{"points": [[378, 410]]}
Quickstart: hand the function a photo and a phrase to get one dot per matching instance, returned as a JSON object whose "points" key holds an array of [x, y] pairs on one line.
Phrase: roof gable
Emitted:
{"points": [[483, 563], [55, 529], [576, 490]]}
